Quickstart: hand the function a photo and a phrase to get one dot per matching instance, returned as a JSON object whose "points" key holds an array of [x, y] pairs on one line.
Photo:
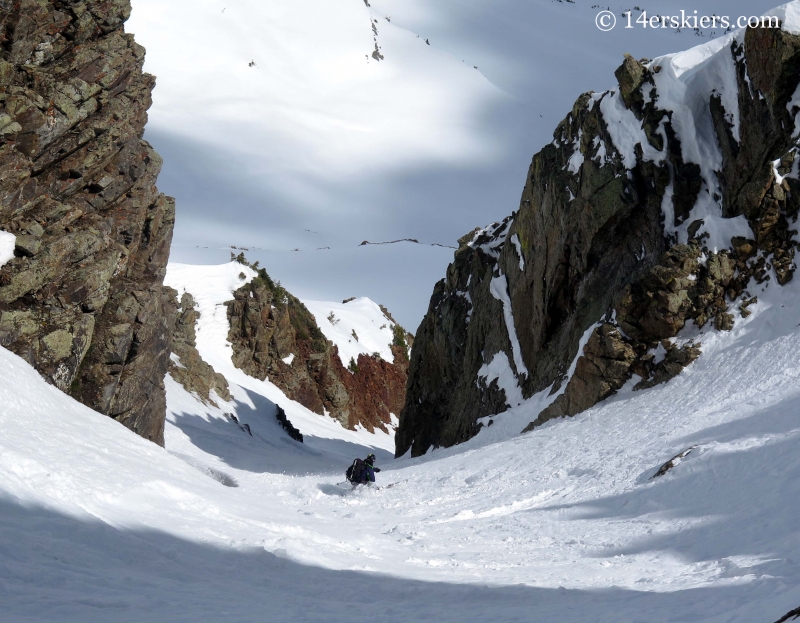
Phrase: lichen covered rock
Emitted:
{"points": [[83, 300]]}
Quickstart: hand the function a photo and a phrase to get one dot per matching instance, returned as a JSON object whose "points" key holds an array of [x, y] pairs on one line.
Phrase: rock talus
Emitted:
{"points": [[82, 300]]}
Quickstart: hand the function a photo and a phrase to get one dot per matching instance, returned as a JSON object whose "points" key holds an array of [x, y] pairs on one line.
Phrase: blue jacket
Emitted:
{"points": [[369, 473]]}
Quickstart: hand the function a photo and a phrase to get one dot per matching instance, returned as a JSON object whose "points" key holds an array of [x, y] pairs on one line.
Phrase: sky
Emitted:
{"points": [[317, 146]]}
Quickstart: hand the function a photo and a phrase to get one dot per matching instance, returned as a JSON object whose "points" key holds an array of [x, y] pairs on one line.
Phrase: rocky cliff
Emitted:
{"points": [[275, 336], [82, 300], [657, 204]]}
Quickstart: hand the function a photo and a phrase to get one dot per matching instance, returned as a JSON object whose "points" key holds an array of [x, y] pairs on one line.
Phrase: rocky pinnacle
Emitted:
{"points": [[82, 300], [589, 260]]}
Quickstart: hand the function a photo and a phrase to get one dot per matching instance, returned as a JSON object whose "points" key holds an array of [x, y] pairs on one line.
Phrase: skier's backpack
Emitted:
{"points": [[355, 471]]}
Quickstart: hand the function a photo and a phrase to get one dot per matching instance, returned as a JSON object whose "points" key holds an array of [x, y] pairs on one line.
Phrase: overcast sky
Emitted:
{"points": [[317, 144]]}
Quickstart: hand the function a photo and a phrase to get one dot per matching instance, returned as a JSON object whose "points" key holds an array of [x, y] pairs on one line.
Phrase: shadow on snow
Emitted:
{"points": [[270, 449], [60, 568]]}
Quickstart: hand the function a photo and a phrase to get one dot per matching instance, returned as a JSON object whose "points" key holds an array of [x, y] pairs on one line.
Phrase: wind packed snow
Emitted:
{"points": [[356, 327], [7, 243], [562, 524], [789, 15]]}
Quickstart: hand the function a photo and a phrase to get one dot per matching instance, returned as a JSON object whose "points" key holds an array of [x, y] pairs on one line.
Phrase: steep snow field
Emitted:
{"points": [[318, 144], [356, 327], [562, 524]]}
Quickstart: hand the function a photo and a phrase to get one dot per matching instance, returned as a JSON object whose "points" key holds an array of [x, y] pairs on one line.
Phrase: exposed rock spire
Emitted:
{"points": [[83, 300]]}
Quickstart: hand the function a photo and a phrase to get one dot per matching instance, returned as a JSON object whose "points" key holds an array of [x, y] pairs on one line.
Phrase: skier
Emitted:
{"points": [[362, 472], [371, 470]]}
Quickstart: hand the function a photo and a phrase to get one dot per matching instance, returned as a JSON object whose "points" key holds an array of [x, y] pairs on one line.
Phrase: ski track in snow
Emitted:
{"points": [[100, 525]]}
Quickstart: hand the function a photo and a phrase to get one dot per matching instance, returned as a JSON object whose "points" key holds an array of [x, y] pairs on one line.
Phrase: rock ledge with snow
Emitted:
{"points": [[658, 207]]}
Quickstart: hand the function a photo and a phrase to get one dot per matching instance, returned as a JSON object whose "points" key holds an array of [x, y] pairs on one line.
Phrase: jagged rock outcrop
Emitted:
{"points": [[186, 366], [645, 213], [275, 336], [286, 425], [83, 300]]}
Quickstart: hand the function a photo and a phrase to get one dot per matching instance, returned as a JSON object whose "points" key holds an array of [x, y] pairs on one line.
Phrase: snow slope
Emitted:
{"points": [[211, 287], [355, 327], [338, 274], [289, 91], [562, 524], [313, 80]]}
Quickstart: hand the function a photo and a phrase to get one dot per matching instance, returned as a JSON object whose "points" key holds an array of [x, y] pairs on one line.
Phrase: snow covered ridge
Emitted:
{"points": [[343, 360], [356, 327], [663, 204]]}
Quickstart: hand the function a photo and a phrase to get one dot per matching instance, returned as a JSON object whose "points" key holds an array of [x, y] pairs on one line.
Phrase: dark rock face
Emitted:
{"points": [[268, 325], [83, 300], [186, 365], [591, 244], [603, 369], [280, 415]]}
